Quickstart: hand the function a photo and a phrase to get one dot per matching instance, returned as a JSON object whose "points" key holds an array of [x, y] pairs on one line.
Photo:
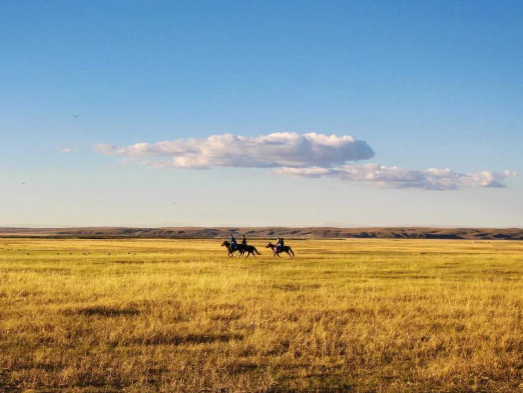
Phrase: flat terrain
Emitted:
{"points": [[271, 232], [179, 316]]}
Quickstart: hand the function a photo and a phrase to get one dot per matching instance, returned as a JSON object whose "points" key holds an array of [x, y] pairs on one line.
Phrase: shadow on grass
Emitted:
{"points": [[192, 339], [102, 311]]}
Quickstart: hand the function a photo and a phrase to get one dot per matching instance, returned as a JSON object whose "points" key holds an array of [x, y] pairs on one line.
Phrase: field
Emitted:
{"points": [[179, 316]]}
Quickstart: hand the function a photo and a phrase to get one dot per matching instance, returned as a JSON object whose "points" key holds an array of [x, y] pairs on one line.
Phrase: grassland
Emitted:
{"points": [[179, 316]]}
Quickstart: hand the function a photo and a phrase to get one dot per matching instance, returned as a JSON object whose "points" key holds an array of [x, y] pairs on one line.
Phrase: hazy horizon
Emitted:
{"points": [[256, 226]]}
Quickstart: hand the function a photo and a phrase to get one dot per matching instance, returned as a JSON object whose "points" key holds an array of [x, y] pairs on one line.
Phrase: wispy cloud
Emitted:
{"points": [[266, 151], [67, 150], [394, 177]]}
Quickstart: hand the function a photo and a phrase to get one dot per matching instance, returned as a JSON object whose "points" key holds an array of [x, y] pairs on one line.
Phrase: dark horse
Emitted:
{"points": [[286, 249], [241, 248]]}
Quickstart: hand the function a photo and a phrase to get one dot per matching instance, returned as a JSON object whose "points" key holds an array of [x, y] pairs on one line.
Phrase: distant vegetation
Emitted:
{"points": [[179, 316]]}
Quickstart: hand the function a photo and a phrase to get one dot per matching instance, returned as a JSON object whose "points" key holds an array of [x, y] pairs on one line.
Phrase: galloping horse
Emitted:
{"points": [[286, 249], [242, 249]]}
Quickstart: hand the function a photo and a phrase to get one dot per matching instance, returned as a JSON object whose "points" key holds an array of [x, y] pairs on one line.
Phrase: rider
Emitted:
{"points": [[234, 244], [244, 240], [279, 245]]}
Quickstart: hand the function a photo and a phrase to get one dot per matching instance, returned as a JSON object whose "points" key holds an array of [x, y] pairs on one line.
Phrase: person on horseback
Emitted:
{"points": [[244, 240], [234, 244], [280, 244]]}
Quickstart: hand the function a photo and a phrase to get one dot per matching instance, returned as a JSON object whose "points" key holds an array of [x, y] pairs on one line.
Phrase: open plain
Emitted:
{"points": [[179, 316]]}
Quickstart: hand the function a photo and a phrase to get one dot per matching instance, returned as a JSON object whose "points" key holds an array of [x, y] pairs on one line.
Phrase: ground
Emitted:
{"points": [[179, 316]]}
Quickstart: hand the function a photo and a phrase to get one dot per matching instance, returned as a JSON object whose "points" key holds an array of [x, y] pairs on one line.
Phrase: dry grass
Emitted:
{"points": [[179, 316]]}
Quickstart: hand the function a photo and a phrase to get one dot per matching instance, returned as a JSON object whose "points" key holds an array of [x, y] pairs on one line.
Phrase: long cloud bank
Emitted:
{"points": [[267, 151], [309, 155], [394, 177]]}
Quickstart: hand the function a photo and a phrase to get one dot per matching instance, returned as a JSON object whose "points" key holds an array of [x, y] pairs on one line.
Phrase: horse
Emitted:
{"points": [[229, 248], [286, 249], [250, 250], [242, 249]]}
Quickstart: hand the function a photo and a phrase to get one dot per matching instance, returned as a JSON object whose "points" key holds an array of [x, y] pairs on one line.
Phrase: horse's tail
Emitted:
{"points": [[256, 251], [292, 252]]}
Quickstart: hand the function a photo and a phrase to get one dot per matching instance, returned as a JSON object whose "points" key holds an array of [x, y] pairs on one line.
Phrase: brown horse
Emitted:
{"points": [[241, 249], [286, 249], [229, 248]]}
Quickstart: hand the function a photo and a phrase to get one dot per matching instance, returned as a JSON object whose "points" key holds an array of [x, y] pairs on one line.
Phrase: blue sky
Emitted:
{"points": [[424, 84]]}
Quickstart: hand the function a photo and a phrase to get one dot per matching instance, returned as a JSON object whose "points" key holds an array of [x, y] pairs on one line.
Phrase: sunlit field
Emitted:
{"points": [[180, 316]]}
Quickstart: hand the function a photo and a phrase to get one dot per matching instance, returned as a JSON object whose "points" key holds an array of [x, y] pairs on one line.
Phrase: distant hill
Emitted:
{"points": [[271, 232]]}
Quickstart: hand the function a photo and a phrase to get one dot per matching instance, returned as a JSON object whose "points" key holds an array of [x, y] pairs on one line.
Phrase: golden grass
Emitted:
{"points": [[179, 316]]}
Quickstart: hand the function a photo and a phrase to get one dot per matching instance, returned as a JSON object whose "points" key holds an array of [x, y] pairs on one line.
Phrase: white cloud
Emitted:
{"points": [[394, 177], [66, 150], [273, 150], [310, 155]]}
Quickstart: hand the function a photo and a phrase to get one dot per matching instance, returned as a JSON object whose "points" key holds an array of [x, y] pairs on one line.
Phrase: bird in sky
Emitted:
{"points": [[75, 116]]}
